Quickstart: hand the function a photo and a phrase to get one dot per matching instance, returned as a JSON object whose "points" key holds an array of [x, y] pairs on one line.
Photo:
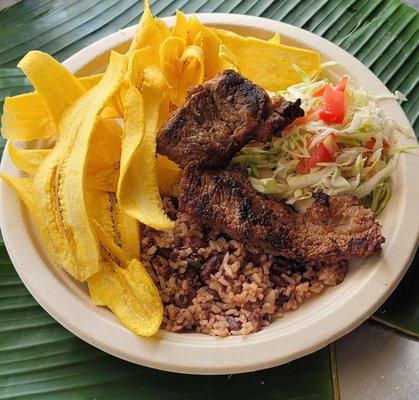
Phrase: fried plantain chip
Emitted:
{"points": [[164, 111], [191, 71], [138, 193], [28, 160], [170, 52], [138, 62], [102, 171], [168, 176], [76, 130], [182, 67], [130, 294], [111, 109], [269, 64], [207, 39], [57, 93], [180, 29], [226, 54], [24, 189], [59, 180], [55, 243], [163, 28], [124, 286], [124, 230], [275, 39], [25, 117], [150, 32]]}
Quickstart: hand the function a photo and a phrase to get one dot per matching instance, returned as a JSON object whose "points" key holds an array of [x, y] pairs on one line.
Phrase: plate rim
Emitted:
{"points": [[165, 350]]}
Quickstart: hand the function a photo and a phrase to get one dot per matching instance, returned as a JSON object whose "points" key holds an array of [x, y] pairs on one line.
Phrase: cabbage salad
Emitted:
{"points": [[345, 143]]}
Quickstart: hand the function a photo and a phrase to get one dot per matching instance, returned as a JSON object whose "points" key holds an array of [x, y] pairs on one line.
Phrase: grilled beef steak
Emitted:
{"points": [[334, 228], [220, 117]]}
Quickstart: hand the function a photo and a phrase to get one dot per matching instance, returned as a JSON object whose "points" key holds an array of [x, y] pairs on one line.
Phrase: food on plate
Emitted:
{"points": [[132, 180], [123, 285], [219, 118], [345, 143], [213, 284], [138, 193], [333, 229], [269, 63]]}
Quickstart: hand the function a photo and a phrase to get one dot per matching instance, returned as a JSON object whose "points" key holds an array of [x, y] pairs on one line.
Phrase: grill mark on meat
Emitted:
{"points": [[220, 117], [333, 229]]}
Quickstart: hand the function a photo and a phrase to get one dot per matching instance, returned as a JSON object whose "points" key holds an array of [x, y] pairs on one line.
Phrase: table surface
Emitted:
{"points": [[376, 363], [373, 362]]}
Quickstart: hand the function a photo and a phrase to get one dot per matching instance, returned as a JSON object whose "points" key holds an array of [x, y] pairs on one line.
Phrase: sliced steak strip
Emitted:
{"points": [[332, 229], [220, 117]]}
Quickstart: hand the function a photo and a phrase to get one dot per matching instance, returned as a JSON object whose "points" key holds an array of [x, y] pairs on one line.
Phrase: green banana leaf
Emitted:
{"points": [[401, 310], [39, 359]]}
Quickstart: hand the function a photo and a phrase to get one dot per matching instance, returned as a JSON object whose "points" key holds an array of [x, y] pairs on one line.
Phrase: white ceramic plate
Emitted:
{"points": [[314, 325]]}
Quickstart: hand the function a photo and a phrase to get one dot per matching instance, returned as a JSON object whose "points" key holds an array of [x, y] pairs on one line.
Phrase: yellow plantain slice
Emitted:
{"points": [[168, 176], [124, 286], [182, 67], [121, 228], [89, 81], [28, 160], [170, 52], [54, 242], [60, 178], [128, 230], [163, 28], [138, 61], [77, 128], [111, 109], [149, 33], [180, 29], [207, 39], [226, 54], [130, 294], [25, 118], [141, 61], [102, 171], [164, 111], [191, 71], [57, 86], [269, 64], [275, 39], [24, 189], [138, 193]]}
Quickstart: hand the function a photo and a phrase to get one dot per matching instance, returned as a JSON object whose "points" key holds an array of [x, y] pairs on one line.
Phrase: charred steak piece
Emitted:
{"points": [[282, 113], [220, 117], [334, 228]]}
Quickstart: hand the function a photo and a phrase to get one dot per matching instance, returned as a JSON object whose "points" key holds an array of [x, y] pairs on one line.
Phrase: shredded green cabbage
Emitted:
{"points": [[369, 147]]}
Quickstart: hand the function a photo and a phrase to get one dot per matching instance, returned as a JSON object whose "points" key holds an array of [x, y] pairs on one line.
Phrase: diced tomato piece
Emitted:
{"points": [[320, 154], [333, 110], [302, 166], [320, 92], [371, 143], [343, 82]]}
